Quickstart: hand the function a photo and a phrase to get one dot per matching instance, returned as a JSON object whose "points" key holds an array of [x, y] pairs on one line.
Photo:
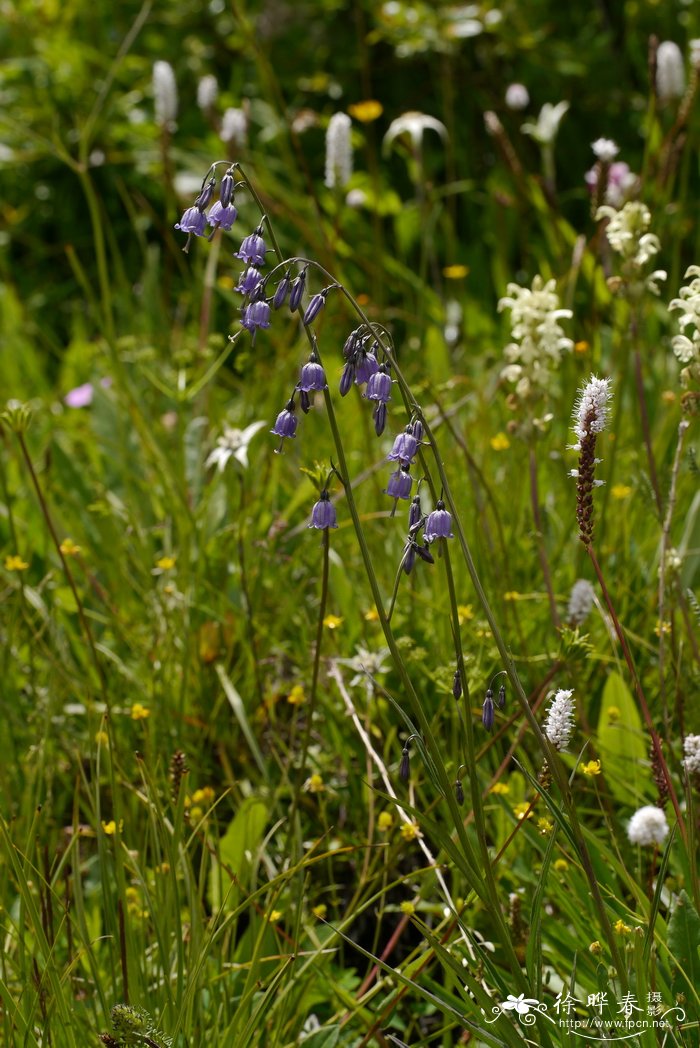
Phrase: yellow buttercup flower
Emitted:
{"points": [[139, 712], [408, 908], [581, 347], [521, 811], [591, 768], [561, 865], [511, 595], [620, 491], [613, 713], [465, 613], [320, 911], [367, 111], [410, 831], [296, 696], [15, 563], [110, 828], [69, 549], [385, 821], [500, 787], [332, 622], [372, 615], [500, 442], [621, 928], [314, 784], [545, 826], [274, 915], [204, 796], [165, 563], [455, 272]]}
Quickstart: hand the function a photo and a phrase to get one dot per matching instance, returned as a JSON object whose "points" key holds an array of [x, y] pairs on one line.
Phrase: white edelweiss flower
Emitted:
{"points": [[648, 826], [233, 443], [546, 127], [605, 149], [338, 151], [414, 124], [560, 720]]}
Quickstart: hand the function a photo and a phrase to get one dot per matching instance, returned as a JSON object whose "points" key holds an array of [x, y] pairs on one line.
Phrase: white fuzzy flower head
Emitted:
{"points": [[207, 92], [670, 72], [165, 95], [560, 720], [691, 749], [605, 149], [686, 346], [338, 151], [648, 826], [234, 127], [517, 96], [627, 232], [546, 127], [581, 601], [538, 338], [591, 410]]}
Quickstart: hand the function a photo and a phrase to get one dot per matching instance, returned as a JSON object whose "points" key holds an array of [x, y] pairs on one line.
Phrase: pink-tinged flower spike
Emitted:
{"points": [[560, 720], [591, 416]]}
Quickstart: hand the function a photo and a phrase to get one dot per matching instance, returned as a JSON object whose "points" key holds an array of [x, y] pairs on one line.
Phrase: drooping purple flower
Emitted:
{"points": [[350, 344], [281, 291], [417, 430], [379, 417], [193, 222], [415, 514], [346, 379], [249, 281], [253, 249], [399, 486], [222, 217], [409, 556], [379, 385], [487, 711], [297, 292], [323, 514], [439, 523], [256, 315], [285, 425], [226, 188], [304, 401], [405, 447], [312, 375], [457, 685], [315, 306], [206, 193], [367, 365]]}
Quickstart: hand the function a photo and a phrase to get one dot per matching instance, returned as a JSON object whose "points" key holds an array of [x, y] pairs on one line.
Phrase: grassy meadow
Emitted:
{"points": [[350, 557]]}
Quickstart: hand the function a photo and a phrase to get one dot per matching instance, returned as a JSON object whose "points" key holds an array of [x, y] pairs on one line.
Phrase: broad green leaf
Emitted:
{"points": [[684, 944], [622, 743], [238, 853]]}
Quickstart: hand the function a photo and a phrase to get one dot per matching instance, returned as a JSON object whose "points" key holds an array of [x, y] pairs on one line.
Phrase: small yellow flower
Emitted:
{"points": [[139, 712], [274, 915], [195, 813], [15, 563], [296, 696], [511, 595], [591, 768], [500, 442], [668, 396], [545, 826], [595, 947], [465, 613], [314, 784], [500, 788], [110, 828], [621, 928], [561, 865], [320, 911], [372, 615], [204, 796], [662, 627], [165, 563], [69, 549], [366, 111], [226, 283], [408, 908], [581, 347], [620, 491], [102, 738], [613, 713], [385, 821], [410, 831], [455, 272], [521, 811], [163, 868], [332, 622]]}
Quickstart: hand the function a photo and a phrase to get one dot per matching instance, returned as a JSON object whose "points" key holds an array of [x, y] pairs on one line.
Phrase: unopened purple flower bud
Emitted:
{"points": [[205, 195], [286, 424], [415, 514], [281, 291], [379, 416], [404, 766], [424, 553], [400, 482], [457, 685], [249, 281], [379, 385], [256, 315], [304, 401], [366, 366], [315, 306], [253, 249], [439, 523], [297, 292], [226, 188], [501, 700], [193, 222], [417, 430], [323, 514], [409, 556], [405, 447], [346, 379], [312, 375], [487, 711], [459, 792], [221, 217], [351, 343]]}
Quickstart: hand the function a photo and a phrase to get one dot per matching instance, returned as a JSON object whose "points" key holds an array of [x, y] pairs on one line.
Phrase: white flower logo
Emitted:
{"points": [[521, 1004]]}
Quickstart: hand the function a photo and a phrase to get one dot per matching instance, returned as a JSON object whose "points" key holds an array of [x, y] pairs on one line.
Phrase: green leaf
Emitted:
{"points": [[237, 854], [622, 744], [684, 944], [325, 1038]]}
